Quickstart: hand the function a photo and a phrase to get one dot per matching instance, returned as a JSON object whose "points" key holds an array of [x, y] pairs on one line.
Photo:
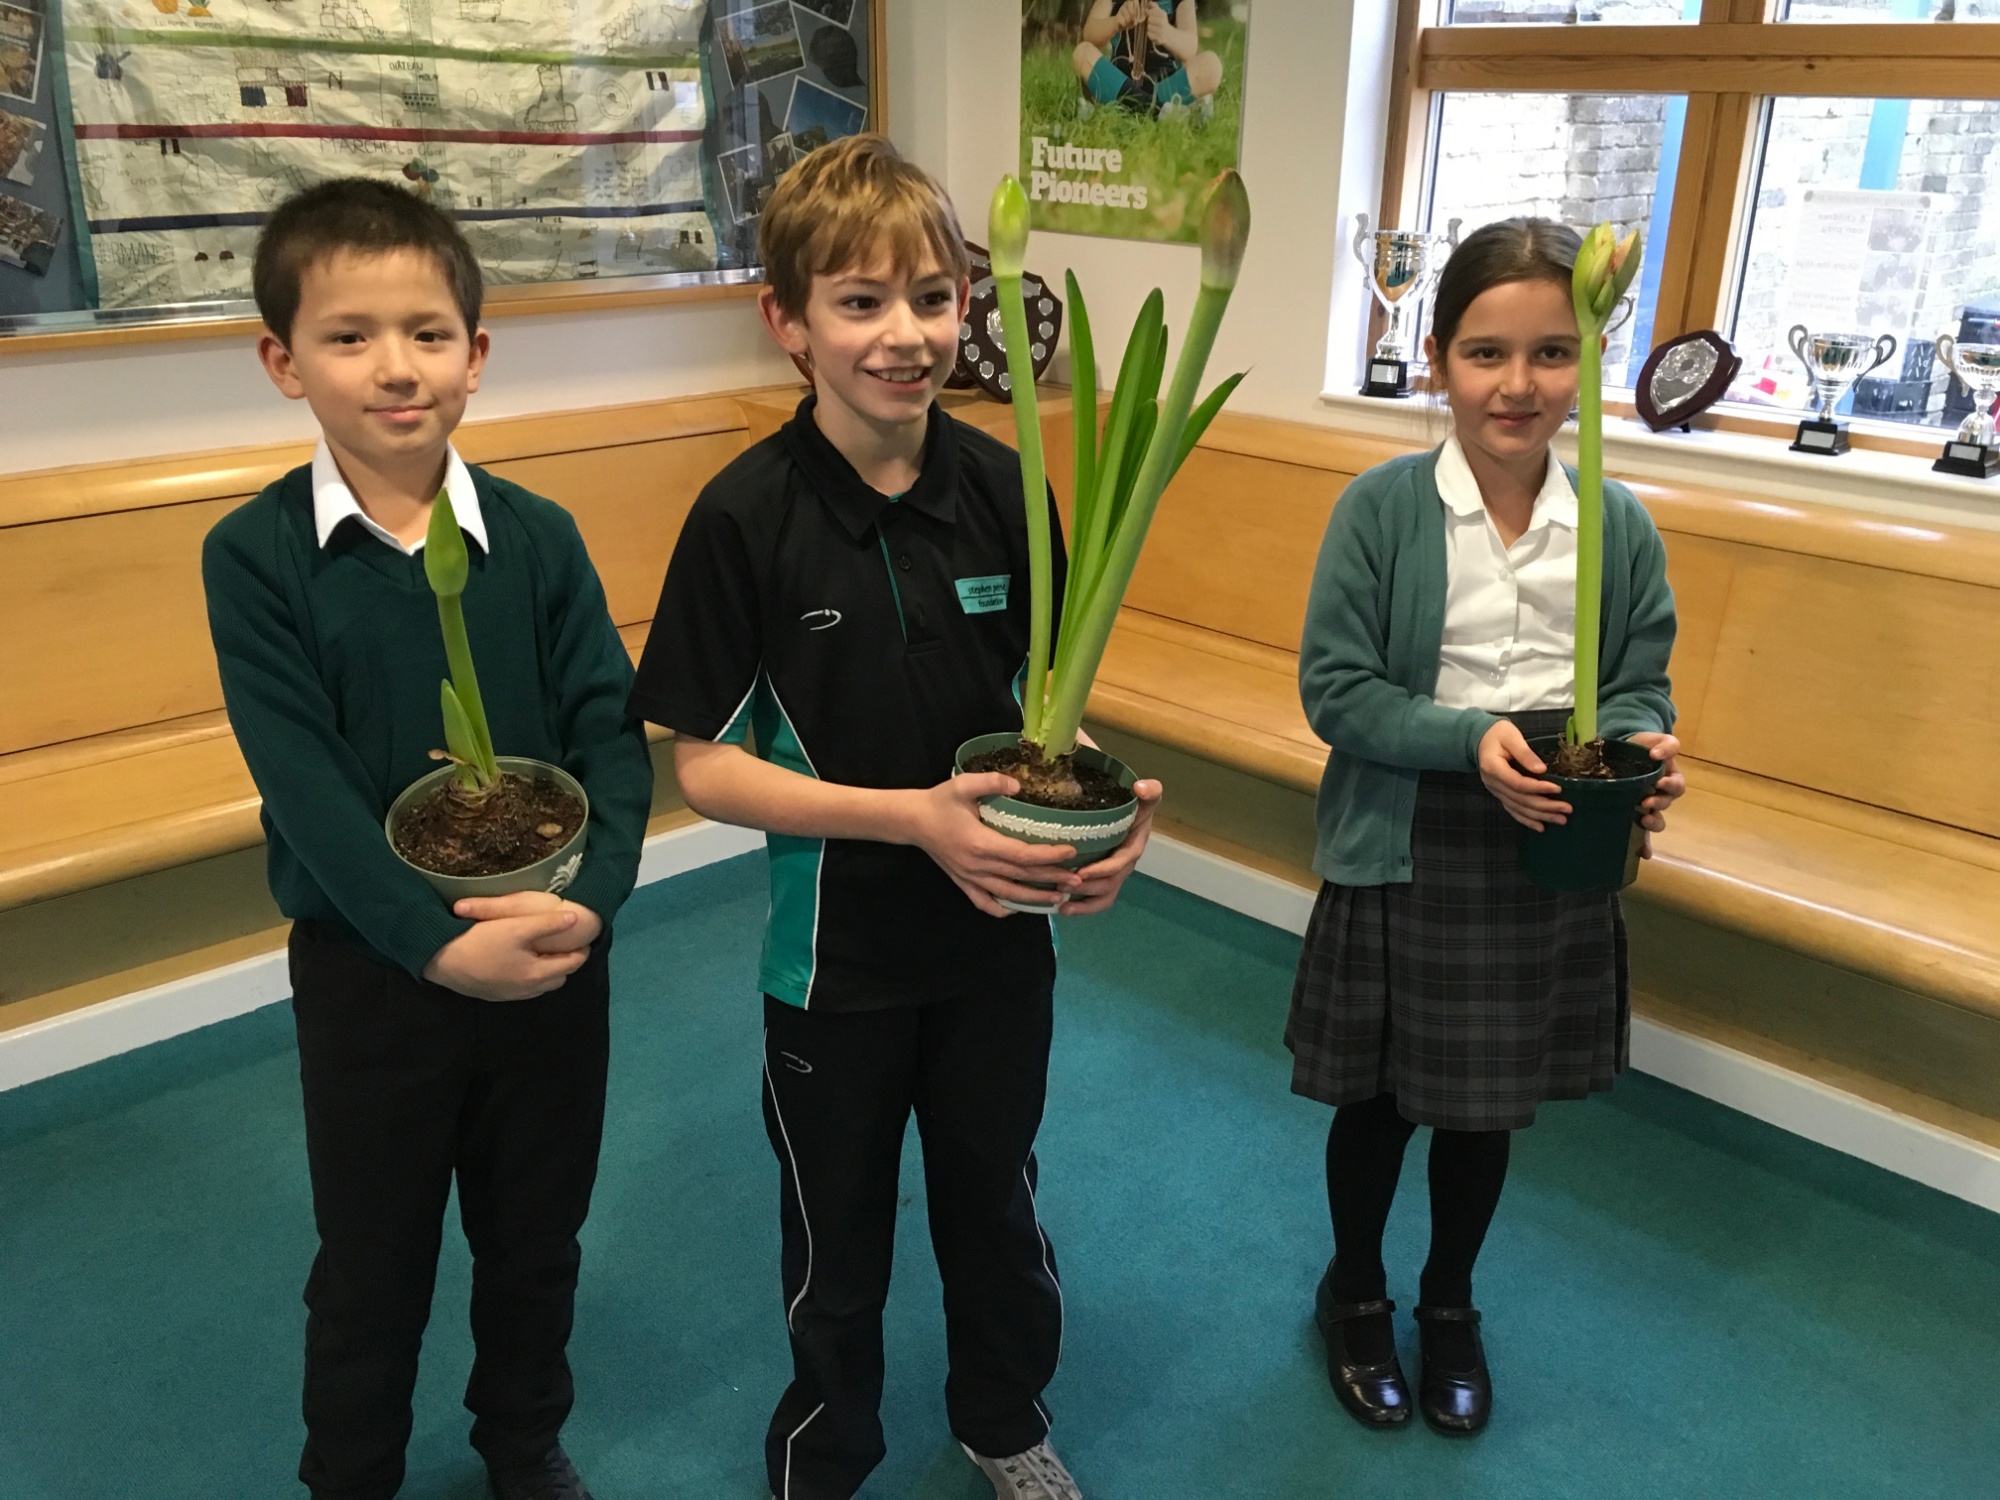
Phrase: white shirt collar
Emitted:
{"points": [[1459, 490], [334, 502]]}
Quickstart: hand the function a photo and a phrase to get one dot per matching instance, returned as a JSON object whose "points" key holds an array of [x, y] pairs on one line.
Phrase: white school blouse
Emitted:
{"points": [[1509, 612]]}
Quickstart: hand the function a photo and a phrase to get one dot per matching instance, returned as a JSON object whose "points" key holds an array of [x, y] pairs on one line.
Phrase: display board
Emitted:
{"points": [[574, 140]]}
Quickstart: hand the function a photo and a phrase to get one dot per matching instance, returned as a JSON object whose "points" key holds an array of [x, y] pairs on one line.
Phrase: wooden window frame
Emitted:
{"points": [[1728, 64], [607, 294]]}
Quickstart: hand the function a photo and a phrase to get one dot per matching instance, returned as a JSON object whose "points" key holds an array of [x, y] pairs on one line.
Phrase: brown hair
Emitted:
{"points": [[368, 217], [1493, 254], [835, 208]]}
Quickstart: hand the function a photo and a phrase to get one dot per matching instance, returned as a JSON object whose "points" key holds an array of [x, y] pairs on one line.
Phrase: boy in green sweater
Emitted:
{"points": [[327, 636]]}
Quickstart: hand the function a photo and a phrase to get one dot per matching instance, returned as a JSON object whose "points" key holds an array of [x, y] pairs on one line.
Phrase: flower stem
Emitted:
{"points": [[1035, 496]]}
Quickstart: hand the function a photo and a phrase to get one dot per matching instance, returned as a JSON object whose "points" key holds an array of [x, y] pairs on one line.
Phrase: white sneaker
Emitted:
{"points": [[1035, 1475]]}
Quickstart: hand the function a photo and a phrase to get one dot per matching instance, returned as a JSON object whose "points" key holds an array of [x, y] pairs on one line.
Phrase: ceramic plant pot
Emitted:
{"points": [[552, 874], [1092, 834], [1598, 848]]}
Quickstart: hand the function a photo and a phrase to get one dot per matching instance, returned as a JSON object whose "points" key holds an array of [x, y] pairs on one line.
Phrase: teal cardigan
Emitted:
{"points": [[1369, 661]]}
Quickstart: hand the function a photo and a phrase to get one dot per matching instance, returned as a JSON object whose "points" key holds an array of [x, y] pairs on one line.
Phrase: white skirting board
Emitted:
{"points": [[1845, 1122]]}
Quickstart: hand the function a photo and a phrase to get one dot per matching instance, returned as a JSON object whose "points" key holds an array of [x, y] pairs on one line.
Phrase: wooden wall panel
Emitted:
{"points": [[1870, 684], [1700, 571], [110, 601], [629, 503], [1233, 543]]}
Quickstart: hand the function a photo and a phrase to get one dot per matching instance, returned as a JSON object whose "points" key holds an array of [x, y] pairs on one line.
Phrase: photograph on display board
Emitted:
{"points": [[20, 52], [1129, 110], [21, 141], [760, 43], [749, 173], [840, 12], [815, 108], [27, 235]]}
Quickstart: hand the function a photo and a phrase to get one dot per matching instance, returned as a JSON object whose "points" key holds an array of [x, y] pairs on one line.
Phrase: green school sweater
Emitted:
{"points": [[1368, 664], [331, 659]]}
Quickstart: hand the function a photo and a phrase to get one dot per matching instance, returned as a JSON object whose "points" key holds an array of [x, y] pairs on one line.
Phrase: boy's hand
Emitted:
{"points": [[986, 865], [502, 957], [1503, 755], [1670, 786], [589, 926], [1101, 882]]}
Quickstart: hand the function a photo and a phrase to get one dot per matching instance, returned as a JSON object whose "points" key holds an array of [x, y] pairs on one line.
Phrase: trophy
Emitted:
{"points": [[1974, 452], [1834, 361], [1402, 266]]}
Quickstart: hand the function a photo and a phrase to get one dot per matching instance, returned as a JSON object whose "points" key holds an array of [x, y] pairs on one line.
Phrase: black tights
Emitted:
{"points": [[1364, 1157]]}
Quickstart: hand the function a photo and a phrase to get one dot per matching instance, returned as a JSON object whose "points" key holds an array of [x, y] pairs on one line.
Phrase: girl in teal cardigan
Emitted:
{"points": [[1437, 985]]}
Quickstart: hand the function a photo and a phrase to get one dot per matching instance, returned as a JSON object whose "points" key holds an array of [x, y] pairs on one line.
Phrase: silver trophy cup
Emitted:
{"points": [[1974, 450], [1402, 267], [1835, 361]]}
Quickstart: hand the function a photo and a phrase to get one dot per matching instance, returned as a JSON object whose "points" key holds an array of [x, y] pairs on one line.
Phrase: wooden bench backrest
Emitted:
{"points": [[1820, 647], [103, 608]]}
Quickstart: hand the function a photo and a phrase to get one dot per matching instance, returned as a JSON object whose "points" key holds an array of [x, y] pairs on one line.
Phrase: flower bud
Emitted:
{"points": [[446, 564], [1007, 228], [1225, 230]]}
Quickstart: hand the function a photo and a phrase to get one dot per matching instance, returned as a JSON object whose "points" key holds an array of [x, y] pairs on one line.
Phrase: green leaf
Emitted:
{"points": [[446, 563], [1083, 402], [460, 740], [1202, 416]]}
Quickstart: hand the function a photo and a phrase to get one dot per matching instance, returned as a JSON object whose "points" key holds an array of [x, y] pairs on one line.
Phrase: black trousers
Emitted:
{"points": [[407, 1083], [839, 1089]]}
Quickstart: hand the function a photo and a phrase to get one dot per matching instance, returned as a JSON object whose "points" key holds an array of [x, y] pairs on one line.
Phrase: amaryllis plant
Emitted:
{"points": [[468, 741], [1605, 267], [1119, 480]]}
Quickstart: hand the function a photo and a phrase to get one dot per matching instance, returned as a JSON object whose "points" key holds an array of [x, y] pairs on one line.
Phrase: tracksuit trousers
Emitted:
{"points": [[839, 1089], [408, 1085]]}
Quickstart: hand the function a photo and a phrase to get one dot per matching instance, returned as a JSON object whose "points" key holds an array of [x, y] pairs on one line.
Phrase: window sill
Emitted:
{"points": [[1891, 484]]}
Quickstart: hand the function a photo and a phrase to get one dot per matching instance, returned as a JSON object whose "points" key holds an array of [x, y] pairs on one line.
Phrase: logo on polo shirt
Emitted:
{"points": [[983, 596], [827, 618]]}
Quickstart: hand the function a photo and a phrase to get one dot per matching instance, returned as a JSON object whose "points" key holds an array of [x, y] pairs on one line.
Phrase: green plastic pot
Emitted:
{"points": [[1093, 834], [1598, 848], [552, 874]]}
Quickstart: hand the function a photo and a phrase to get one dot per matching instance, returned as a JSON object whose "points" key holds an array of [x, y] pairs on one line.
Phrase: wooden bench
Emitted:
{"points": [[1828, 892], [130, 847]]}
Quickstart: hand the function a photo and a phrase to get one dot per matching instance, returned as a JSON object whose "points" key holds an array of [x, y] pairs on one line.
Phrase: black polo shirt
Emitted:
{"points": [[860, 639]]}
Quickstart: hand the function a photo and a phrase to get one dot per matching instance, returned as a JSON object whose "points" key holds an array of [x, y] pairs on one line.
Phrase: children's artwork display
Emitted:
{"points": [[574, 141], [1129, 110]]}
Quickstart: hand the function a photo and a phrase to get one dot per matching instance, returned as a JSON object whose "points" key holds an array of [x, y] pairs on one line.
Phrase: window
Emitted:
{"points": [[1818, 161]]}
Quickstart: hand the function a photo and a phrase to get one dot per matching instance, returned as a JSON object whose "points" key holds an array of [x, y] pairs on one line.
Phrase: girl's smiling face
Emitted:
{"points": [[1511, 372]]}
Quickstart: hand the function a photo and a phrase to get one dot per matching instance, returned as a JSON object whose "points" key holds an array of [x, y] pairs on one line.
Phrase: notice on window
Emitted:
{"points": [[1129, 110], [1858, 260]]}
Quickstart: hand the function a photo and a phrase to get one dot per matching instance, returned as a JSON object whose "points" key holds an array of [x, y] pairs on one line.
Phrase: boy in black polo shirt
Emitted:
{"points": [[327, 636], [853, 594]]}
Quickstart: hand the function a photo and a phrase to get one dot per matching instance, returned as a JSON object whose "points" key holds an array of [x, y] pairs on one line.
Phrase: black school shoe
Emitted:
{"points": [[1375, 1395], [553, 1478], [1454, 1400]]}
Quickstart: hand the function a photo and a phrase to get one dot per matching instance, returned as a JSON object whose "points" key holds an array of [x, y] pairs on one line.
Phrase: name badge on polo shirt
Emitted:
{"points": [[983, 596]]}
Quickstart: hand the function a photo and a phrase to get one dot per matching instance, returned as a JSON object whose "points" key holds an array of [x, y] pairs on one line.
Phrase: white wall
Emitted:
{"points": [[1315, 111]]}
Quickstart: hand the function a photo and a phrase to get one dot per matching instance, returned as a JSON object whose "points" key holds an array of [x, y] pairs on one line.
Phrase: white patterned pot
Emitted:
{"points": [[1093, 834], [552, 874]]}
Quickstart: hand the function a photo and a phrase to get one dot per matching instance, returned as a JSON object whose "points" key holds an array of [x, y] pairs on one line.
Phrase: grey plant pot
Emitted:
{"points": [[1093, 834], [552, 874]]}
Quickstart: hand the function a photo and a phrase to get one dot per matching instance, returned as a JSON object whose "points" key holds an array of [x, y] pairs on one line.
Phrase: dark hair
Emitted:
{"points": [[1494, 254], [368, 217]]}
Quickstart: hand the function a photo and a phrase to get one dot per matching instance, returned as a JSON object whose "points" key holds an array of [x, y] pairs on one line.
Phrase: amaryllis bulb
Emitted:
{"points": [[1007, 228]]}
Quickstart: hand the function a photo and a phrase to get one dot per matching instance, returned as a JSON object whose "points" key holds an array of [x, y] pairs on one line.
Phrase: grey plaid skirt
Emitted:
{"points": [[1470, 993]]}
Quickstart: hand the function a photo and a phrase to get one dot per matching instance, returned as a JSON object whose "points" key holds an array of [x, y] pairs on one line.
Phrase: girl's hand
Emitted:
{"points": [[1670, 786], [1503, 755]]}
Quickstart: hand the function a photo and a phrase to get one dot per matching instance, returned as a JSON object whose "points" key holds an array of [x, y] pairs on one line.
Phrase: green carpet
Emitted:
{"points": [[1680, 1301]]}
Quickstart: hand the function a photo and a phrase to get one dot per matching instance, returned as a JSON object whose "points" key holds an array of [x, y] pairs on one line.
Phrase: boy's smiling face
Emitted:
{"points": [[380, 351], [881, 338]]}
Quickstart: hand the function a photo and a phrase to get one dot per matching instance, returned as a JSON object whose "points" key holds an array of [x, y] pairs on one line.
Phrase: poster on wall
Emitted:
{"points": [[566, 141], [1129, 109]]}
